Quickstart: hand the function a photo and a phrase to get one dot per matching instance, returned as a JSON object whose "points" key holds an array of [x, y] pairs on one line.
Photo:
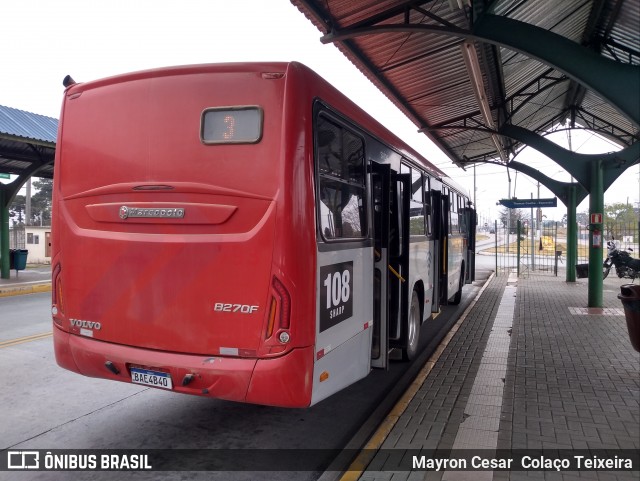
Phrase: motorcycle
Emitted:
{"points": [[626, 266]]}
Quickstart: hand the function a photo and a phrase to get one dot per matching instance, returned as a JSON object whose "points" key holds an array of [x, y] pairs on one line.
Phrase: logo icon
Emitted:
{"points": [[23, 460], [126, 212]]}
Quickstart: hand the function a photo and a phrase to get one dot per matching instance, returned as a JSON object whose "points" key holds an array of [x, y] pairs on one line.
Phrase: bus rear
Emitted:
{"points": [[168, 235]]}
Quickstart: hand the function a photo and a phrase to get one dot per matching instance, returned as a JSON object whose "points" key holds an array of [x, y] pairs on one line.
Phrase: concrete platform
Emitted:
{"points": [[527, 369], [28, 281]]}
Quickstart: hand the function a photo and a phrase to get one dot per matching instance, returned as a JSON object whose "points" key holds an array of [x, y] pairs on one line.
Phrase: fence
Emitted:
{"points": [[544, 250], [17, 238]]}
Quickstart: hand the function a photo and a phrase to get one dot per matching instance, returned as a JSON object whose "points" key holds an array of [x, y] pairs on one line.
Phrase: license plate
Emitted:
{"points": [[151, 378]]}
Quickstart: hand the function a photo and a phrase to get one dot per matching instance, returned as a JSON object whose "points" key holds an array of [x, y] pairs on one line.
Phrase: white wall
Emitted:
{"points": [[36, 244]]}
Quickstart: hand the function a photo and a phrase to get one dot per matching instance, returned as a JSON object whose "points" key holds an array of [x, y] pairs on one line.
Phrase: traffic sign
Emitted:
{"points": [[4, 176], [529, 203]]}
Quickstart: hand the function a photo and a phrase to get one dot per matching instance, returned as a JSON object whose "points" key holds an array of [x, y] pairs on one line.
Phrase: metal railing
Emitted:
{"points": [[523, 250]]}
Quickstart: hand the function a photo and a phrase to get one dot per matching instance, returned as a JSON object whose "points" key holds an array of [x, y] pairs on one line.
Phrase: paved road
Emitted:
{"points": [[46, 407]]}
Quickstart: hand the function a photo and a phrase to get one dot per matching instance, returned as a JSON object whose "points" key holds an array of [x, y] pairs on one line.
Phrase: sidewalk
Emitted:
{"points": [[36, 278], [528, 369]]}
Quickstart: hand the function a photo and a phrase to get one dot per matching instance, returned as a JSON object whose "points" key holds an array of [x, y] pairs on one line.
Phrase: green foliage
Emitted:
{"points": [[511, 217], [619, 219], [619, 212], [40, 204], [16, 209], [41, 201]]}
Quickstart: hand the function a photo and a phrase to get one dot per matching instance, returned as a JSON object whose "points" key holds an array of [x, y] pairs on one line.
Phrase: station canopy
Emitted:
{"points": [[467, 72], [27, 143]]}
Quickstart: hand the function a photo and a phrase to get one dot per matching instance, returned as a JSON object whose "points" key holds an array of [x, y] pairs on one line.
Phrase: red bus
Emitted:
{"points": [[244, 232]]}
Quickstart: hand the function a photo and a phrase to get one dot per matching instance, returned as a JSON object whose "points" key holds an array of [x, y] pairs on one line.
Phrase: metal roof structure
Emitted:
{"points": [[27, 148], [27, 142], [473, 74]]}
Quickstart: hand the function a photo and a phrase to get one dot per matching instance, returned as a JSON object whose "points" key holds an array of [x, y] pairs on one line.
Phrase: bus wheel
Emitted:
{"points": [[458, 296], [413, 329]]}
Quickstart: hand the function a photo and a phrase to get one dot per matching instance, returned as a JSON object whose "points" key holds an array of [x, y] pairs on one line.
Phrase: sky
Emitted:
{"points": [[44, 40]]}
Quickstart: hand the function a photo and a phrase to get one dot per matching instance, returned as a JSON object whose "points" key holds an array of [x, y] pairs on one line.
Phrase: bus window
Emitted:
{"points": [[453, 216], [427, 205], [341, 182], [416, 205], [462, 213]]}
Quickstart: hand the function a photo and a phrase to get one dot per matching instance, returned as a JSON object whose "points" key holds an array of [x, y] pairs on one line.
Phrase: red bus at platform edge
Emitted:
{"points": [[244, 232]]}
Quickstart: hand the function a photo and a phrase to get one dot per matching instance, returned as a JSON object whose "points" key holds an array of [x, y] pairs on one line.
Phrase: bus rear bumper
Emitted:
{"points": [[277, 382]]}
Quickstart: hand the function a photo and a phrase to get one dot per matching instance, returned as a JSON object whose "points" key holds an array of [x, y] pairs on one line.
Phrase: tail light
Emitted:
{"points": [[57, 303], [279, 312]]}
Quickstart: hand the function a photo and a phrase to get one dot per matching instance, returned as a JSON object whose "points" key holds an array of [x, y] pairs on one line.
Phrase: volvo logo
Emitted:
{"points": [[88, 324], [163, 212]]}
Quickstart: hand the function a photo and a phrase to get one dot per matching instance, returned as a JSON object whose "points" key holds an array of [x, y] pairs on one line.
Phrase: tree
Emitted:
{"points": [[16, 209], [510, 217], [582, 218], [620, 219], [41, 201], [40, 204], [619, 212]]}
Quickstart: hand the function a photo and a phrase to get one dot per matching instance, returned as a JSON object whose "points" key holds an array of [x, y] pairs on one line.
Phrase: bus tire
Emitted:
{"points": [[455, 300], [410, 352]]}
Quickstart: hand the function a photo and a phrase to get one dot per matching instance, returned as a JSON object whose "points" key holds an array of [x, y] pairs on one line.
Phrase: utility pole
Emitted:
{"points": [[27, 208]]}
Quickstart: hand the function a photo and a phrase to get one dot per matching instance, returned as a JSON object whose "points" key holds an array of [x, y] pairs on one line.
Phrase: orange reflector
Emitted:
{"points": [[60, 301], [272, 317], [324, 376]]}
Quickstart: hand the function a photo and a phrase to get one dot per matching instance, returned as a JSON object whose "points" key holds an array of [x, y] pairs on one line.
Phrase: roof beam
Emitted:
{"points": [[559, 189], [22, 140], [578, 165], [618, 86]]}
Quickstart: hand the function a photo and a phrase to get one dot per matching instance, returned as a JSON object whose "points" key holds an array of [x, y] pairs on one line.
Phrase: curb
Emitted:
{"points": [[18, 290]]}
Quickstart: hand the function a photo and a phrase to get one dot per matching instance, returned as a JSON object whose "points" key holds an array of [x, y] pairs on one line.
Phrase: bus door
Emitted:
{"points": [[380, 192], [390, 200], [440, 211], [470, 260], [398, 269]]}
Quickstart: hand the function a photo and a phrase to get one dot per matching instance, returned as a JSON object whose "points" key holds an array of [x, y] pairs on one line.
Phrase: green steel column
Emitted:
{"points": [[5, 271], [518, 248], [495, 229], [572, 237], [596, 206]]}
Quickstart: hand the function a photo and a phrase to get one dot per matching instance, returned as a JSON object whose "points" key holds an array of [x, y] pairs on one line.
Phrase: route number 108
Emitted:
{"points": [[338, 288]]}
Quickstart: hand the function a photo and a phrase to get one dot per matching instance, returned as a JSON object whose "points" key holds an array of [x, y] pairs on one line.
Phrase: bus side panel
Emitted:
{"points": [[344, 319], [421, 270], [348, 363], [455, 252]]}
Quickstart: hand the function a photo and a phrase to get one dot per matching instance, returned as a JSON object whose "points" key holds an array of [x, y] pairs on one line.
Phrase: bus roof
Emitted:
{"points": [[272, 67]]}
